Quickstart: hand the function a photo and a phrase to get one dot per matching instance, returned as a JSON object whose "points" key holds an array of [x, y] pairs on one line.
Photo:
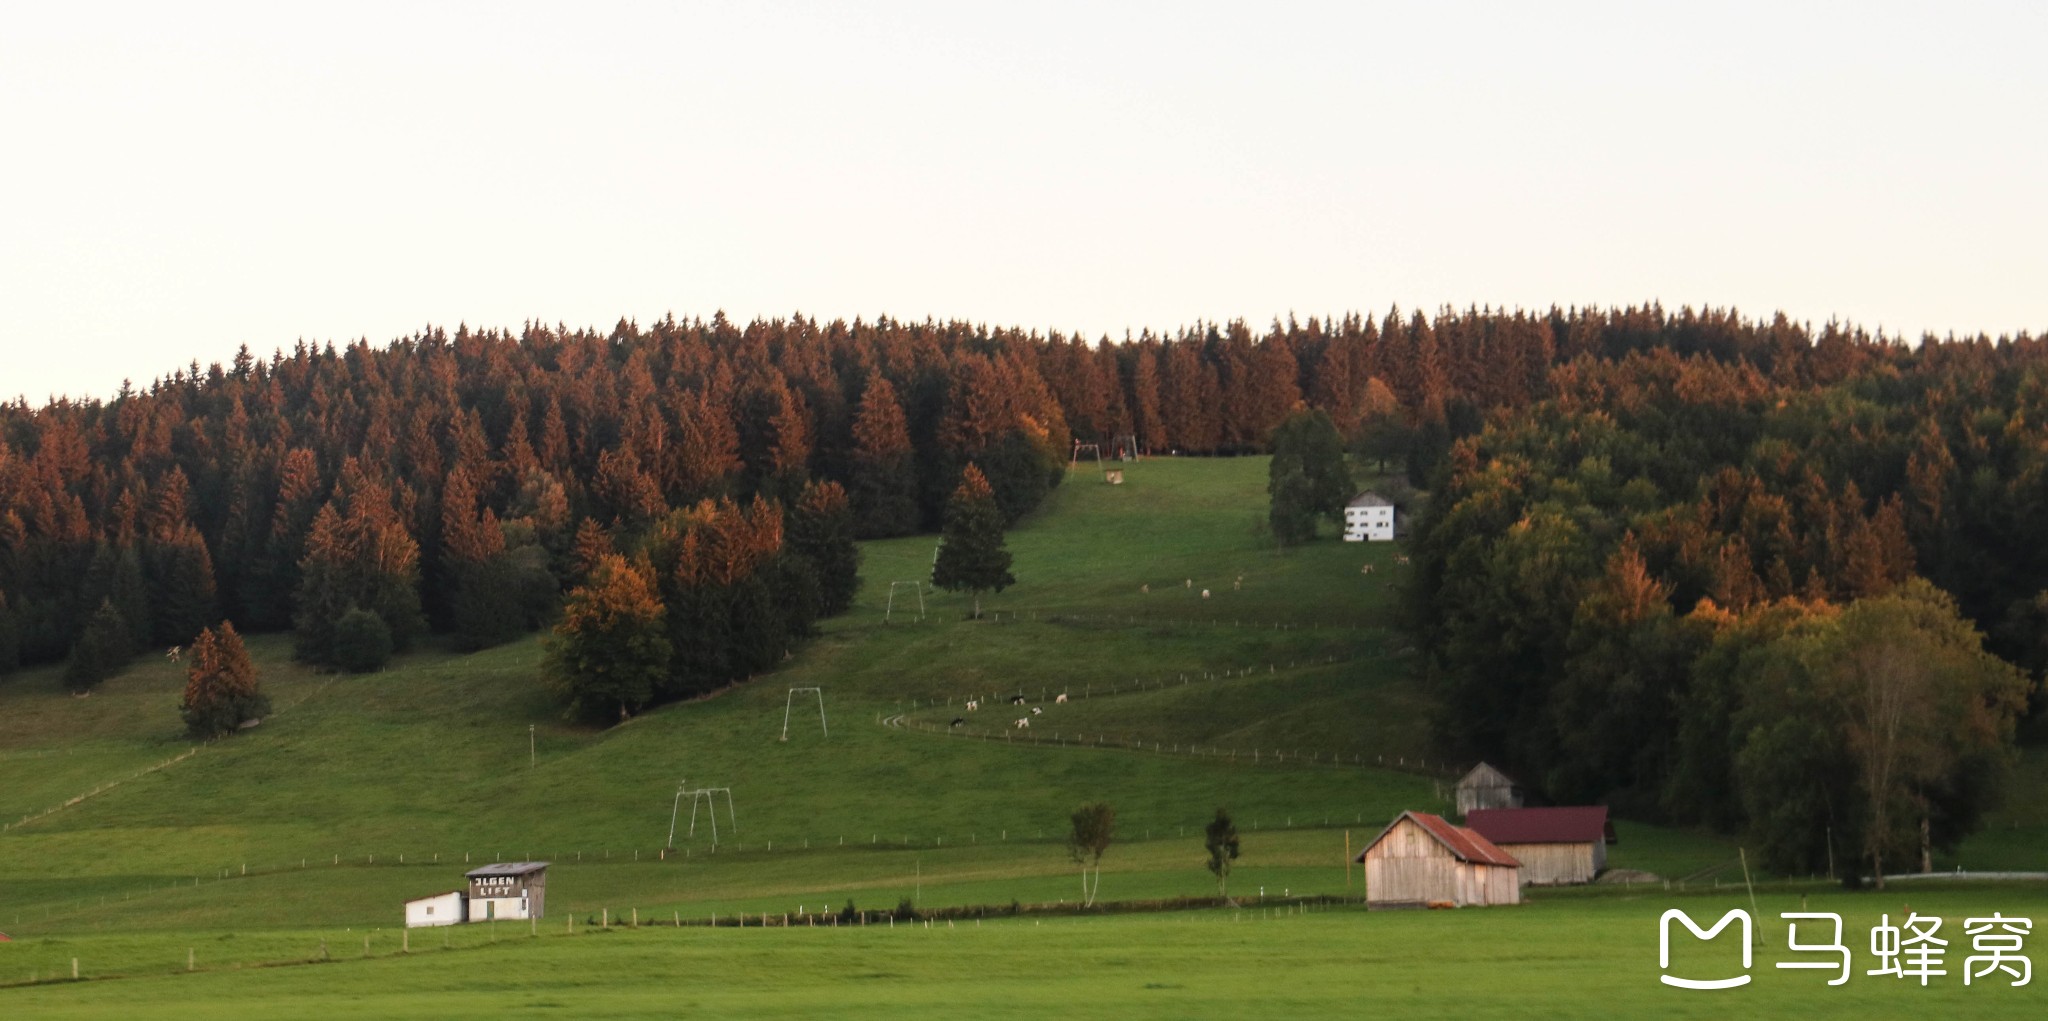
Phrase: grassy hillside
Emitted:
{"points": [[428, 761], [1279, 696]]}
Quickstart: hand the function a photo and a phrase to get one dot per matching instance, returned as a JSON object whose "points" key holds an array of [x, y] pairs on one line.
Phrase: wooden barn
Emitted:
{"points": [[508, 890], [1487, 787], [1420, 860], [1556, 846]]}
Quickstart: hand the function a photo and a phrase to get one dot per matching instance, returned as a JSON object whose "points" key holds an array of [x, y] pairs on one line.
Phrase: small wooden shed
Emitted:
{"points": [[1420, 860], [1487, 787], [515, 889], [1556, 846]]}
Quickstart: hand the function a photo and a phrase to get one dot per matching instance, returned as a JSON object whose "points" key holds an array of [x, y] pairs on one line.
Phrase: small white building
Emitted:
{"points": [[1369, 517], [449, 908]]}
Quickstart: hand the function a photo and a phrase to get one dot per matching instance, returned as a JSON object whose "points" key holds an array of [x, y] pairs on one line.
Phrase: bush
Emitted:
{"points": [[362, 641], [906, 911]]}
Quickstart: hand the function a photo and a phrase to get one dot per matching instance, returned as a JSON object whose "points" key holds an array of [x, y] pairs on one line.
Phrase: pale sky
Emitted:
{"points": [[180, 179]]}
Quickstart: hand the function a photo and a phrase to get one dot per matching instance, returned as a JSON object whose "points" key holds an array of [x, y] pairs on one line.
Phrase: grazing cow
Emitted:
{"points": [[1061, 697], [1400, 560], [973, 705], [176, 654], [1205, 593], [1367, 569], [1038, 710], [1024, 723], [1146, 588], [1016, 700], [958, 720], [1188, 583]]}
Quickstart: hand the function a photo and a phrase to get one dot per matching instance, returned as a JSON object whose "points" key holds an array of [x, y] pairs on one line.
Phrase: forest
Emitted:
{"points": [[1644, 528]]}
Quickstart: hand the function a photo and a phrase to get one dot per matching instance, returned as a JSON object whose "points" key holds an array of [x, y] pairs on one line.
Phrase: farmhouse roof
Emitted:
{"points": [[1485, 775], [1575, 825], [1464, 843], [1369, 499], [507, 868]]}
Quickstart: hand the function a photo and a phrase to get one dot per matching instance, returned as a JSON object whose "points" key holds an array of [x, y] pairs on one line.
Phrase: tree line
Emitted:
{"points": [[462, 482], [1801, 596]]}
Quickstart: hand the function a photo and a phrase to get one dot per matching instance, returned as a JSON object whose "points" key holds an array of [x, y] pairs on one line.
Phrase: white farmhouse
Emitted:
{"points": [[1369, 517]]}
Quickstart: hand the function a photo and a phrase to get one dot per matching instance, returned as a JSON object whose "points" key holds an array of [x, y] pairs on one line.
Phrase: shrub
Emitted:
{"points": [[362, 641]]}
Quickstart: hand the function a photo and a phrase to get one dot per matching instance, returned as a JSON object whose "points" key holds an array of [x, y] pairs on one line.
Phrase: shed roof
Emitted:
{"points": [[1369, 499], [1484, 775], [1575, 825], [1464, 843], [438, 896], [506, 868]]}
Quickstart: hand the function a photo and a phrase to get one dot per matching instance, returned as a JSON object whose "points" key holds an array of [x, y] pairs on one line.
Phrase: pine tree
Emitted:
{"points": [[820, 529], [358, 554], [100, 652], [222, 690], [972, 556], [883, 480], [611, 651], [181, 588]]}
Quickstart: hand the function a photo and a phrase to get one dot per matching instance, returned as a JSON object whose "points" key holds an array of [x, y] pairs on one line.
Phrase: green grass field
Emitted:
{"points": [[1281, 695]]}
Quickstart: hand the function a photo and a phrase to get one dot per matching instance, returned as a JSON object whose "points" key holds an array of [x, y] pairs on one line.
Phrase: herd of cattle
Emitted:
{"points": [[1022, 722]]}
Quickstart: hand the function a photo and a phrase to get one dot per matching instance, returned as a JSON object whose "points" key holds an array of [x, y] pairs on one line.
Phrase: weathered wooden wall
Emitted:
{"points": [[1558, 864]]}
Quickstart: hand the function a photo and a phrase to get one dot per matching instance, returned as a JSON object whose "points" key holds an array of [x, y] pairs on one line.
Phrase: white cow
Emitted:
{"points": [[1024, 723], [1061, 697], [973, 705], [1205, 593], [176, 653], [1401, 560], [1038, 710], [1367, 569]]}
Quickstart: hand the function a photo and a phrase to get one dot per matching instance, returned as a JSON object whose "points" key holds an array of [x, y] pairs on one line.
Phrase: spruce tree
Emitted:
{"points": [[820, 530], [972, 556], [181, 589], [221, 687], [883, 480], [101, 650]]}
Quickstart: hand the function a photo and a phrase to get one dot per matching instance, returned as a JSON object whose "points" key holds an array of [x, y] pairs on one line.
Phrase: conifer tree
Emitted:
{"points": [[222, 690], [820, 530], [358, 554], [883, 480], [972, 556], [181, 586], [100, 651]]}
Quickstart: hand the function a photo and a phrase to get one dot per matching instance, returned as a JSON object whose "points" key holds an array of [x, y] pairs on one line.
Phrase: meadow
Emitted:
{"points": [[1283, 694]]}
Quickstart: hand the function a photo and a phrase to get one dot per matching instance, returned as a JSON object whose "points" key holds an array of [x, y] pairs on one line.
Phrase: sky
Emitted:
{"points": [[177, 180]]}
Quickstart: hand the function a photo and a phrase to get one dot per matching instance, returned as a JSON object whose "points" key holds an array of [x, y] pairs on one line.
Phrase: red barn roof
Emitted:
{"points": [[1464, 843], [1577, 825]]}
